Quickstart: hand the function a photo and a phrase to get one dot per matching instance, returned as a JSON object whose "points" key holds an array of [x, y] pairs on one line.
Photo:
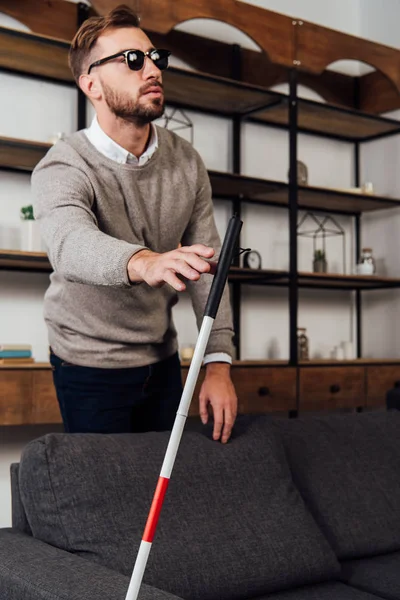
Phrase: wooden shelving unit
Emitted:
{"points": [[278, 385]]}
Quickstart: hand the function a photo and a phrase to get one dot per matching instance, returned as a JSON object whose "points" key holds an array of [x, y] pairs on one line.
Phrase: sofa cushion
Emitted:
{"points": [[233, 525], [19, 520], [324, 591], [379, 575], [347, 468]]}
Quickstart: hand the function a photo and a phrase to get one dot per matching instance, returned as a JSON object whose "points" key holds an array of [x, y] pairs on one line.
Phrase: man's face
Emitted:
{"points": [[134, 96]]}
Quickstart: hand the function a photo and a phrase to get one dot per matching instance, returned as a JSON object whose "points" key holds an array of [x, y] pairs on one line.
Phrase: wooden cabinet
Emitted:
{"points": [[381, 379], [328, 388], [27, 396], [259, 389]]}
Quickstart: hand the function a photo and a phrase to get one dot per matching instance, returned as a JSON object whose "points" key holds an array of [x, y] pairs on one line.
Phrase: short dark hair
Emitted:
{"points": [[87, 35]]}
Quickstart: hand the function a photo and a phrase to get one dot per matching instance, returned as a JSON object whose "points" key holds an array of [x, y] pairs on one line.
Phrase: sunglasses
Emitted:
{"points": [[135, 59]]}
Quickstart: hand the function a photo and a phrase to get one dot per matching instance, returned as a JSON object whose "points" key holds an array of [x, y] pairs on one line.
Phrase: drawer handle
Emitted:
{"points": [[263, 391], [335, 388]]}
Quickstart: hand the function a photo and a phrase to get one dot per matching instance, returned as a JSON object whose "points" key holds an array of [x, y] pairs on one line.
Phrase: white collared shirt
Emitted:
{"points": [[104, 144]]}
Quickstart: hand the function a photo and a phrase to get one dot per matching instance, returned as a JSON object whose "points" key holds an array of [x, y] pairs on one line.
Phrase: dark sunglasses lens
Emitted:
{"points": [[160, 58], [135, 60]]}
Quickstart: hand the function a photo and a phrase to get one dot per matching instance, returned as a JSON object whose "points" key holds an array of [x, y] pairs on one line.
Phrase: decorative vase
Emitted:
{"points": [[320, 265], [30, 236]]}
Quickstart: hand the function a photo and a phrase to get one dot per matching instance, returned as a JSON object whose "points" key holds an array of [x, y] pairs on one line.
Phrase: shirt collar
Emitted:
{"points": [[104, 144]]}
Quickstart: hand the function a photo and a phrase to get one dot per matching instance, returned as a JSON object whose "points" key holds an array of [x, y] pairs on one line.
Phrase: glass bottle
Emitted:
{"points": [[366, 266], [302, 344]]}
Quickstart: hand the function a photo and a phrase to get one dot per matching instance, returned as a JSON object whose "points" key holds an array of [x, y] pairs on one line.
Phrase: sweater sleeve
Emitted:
{"points": [[202, 230], [62, 199]]}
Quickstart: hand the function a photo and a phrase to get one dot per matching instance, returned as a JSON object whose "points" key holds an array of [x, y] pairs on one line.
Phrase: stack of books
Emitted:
{"points": [[16, 354]]}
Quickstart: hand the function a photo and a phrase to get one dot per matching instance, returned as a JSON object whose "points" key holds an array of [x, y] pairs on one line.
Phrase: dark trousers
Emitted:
{"points": [[124, 400]]}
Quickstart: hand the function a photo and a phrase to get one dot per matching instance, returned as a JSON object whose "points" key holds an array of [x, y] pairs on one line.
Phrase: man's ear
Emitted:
{"points": [[90, 86]]}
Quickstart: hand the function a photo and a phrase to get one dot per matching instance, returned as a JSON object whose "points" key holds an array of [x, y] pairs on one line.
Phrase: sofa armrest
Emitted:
{"points": [[33, 570]]}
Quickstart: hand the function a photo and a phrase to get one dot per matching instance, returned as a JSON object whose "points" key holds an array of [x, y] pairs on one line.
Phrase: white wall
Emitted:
{"points": [[327, 315], [382, 27], [380, 162]]}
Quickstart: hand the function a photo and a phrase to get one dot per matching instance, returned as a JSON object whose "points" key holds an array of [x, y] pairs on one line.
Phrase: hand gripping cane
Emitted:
{"points": [[214, 298]]}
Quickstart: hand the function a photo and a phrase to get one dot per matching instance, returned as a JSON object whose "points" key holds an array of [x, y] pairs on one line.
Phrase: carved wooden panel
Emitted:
{"points": [[212, 56], [317, 47], [377, 93], [273, 32], [55, 18]]}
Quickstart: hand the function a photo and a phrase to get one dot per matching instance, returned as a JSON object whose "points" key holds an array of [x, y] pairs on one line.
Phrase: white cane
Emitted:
{"points": [[214, 298]]}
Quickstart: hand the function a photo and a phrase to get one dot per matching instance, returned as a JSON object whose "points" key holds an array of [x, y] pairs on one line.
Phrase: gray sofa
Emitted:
{"points": [[288, 510]]}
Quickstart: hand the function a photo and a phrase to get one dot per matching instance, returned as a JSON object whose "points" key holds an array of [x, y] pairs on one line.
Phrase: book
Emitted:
{"points": [[16, 361], [15, 354], [4, 347]]}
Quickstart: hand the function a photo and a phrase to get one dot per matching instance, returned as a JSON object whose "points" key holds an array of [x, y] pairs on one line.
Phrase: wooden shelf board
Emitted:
{"points": [[24, 261], [206, 92], [37, 55], [312, 197], [21, 154], [352, 282], [329, 362], [259, 276], [331, 121], [263, 191], [36, 365], [313, 280]]}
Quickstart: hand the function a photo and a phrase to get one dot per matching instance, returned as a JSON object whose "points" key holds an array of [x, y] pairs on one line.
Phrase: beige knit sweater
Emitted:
{"points": [[94, 214]]}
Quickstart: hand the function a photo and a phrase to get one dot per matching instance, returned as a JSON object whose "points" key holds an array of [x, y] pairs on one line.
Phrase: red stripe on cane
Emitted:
{"points": [[155, 509]]}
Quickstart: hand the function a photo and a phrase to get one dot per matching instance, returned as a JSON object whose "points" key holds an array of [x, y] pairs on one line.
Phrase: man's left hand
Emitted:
{"points": [[218, 392]]}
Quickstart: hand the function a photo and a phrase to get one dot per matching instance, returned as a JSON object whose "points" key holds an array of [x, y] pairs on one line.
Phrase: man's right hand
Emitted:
{"points": [[157, 269]]}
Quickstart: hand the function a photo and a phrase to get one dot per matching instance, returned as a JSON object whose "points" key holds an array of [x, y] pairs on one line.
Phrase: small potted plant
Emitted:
{"points": [[319, 263], [30, 234]]}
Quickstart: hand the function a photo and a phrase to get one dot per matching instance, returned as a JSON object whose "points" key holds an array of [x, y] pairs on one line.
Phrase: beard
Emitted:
{"points": [[127, 109]]}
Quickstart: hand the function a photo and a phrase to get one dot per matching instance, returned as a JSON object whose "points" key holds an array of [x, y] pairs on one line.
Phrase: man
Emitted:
{"points": [[126, 214]]}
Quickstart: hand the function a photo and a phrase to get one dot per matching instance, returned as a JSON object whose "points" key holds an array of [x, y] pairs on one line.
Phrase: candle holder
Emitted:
{"points": [[322, 228]]}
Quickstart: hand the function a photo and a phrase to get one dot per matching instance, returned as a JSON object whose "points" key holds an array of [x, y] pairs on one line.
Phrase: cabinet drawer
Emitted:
{"points": [[381, 379], [328, 388], [45, 407], [259, 389], [265, 389], [15, 397]]}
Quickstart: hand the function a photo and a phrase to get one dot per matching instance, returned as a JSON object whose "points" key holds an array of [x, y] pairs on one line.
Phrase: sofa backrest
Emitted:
{"points": [[19, 520], [233, 525], [347, 468]]}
